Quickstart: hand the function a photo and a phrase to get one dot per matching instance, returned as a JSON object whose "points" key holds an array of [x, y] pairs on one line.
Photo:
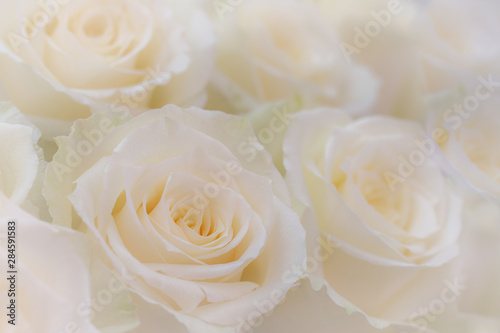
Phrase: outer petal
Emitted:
{"points": [[54, 276], [23, 164]]}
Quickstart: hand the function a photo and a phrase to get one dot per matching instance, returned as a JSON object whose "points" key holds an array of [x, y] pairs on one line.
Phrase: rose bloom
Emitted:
{"points": [[375, 188], [73, 56], [377, 34], [418, 48], [458, 41], [470, 137], [168, 198], [466, 130], [53, 288], [276, 50], [22, 165]]}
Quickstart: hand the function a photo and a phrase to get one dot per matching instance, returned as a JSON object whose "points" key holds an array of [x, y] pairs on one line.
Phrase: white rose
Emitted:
{"points": [[275, 50], [467, 133], [22, 165], [69, 55], [52, 289], [205, 229], [418, 49], [456, 49], [373, 187], [377, 34]]}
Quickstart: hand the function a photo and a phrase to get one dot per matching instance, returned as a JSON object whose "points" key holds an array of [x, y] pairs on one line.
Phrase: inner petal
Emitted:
{"points": [[96, 26]]}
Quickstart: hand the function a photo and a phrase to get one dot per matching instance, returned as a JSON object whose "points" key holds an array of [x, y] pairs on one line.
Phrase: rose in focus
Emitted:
{"points": [[168, 199]]}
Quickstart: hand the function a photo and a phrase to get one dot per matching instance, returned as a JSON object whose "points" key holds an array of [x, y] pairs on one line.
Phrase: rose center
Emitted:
{"points": [[198, 220], [96, 26]]}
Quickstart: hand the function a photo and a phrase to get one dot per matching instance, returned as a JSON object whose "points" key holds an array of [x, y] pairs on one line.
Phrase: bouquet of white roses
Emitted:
{"points": [[247, 166]]}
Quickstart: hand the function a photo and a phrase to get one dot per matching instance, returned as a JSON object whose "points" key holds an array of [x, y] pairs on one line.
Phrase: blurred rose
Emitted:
{"points": [[470, 139], [378, 35], [60, 58], [275, 50], [373, 188], [418, 49], [458, 41]]}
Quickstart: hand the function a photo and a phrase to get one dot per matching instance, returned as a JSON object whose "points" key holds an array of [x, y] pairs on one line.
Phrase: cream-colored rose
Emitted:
{"points": [[59, 59], [275, 50], [418, 48], [467, 133], [21, 164], [378, 34], [204, 229], [458, 41], [52, 284], [373, 187]]}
